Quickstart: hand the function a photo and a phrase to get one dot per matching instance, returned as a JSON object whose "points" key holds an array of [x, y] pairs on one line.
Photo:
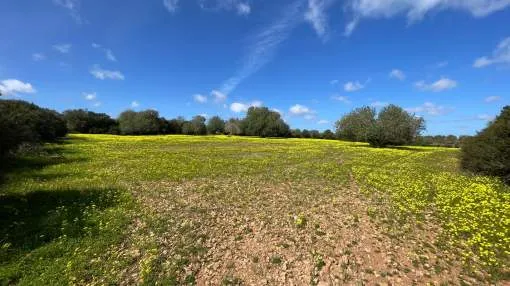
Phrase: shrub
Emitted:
{"points": [[328, 134], [488, 152], [23, 122]]}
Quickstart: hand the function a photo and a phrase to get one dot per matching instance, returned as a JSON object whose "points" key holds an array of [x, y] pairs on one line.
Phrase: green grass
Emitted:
{"points": [[164, 209]]}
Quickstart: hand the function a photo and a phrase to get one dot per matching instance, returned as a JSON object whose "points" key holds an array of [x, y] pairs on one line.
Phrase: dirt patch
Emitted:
{"points": [[257, 233]]}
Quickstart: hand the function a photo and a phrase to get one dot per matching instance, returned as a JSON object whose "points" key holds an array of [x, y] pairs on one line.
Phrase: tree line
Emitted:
{"points": [[487, 153]]}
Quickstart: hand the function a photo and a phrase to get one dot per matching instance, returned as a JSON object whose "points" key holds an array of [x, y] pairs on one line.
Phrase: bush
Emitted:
{"points": [[328, 134], [139, 123], [23, 122], [260, 121], [488, 153], [83, 121]]}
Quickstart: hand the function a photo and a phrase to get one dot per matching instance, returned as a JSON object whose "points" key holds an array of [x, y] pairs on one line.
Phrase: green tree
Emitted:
{"points": [[488, 152], [215, 125], [395, 126], [260, 121], [198, 125], [83, 121], [233, 127], [356, 125], [138, 123], [22, 122], [328, 134]]}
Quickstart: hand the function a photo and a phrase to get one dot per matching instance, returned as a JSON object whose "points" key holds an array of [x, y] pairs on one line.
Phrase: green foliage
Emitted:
{"points": [[138, 123], [306, 134], [215, 125], [83, 121], [23, 122], [488, 152], [440, 140], [328, 134], [395, 126], [260, 121], [233, 127], [356, 125], [392, 126]]}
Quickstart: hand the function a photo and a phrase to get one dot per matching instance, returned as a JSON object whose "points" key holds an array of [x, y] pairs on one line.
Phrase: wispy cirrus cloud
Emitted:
{"points": [[415, 10], [430, 109], [341, 98], [38, 57], [263, 46], [103, 74], [72, 6], [501, 55], [316, 16], [107, 52], [442, 84], [171, 5], [493, 98], [242, 7], [63, 48], [218, 96]]}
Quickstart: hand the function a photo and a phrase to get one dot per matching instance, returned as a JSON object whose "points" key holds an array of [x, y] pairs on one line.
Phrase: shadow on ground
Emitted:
{"points": [[31, 220]]}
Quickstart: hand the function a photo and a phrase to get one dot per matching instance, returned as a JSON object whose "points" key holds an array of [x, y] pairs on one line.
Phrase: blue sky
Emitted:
{"points": [[312, 60]]}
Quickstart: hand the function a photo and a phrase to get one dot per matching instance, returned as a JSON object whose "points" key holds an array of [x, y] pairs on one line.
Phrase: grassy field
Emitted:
{"points": [[100, 209]]}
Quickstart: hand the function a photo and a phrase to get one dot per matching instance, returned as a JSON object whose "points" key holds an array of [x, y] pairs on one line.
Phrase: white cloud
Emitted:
{"points": [[501, 55], [38, 57], [378, 104], [90, 96], [262, 47], [108, 53], [301, 110], [430, 109], [171, 5], [63, 48], [323, 121], [14, 86], [441, 64], [340, 98], [243, 9], [334, 82], [200, 98], [218, 96], [415, 10], [277, 110], [485, 117], [492, 98], [353, 86], [239, 107], [97, 104], [135, 104], [110, 56], [438, 86], [316, 16], [103, 74], [398, 74], [73, 6]]}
